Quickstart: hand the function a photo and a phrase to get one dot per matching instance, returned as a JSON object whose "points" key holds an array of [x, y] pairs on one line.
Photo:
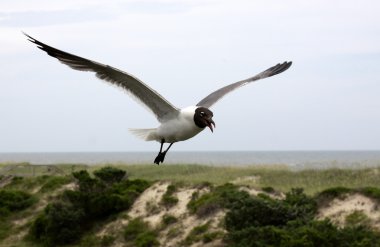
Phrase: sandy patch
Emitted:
{"points": [[338, 209], [151, 196]]}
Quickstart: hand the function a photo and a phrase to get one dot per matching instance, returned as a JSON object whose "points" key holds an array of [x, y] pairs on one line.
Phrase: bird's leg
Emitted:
{"points": [[161, 155], [159, 159]]}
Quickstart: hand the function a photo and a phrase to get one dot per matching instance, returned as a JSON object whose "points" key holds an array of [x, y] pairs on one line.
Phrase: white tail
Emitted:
{"points": [[145, 134]]}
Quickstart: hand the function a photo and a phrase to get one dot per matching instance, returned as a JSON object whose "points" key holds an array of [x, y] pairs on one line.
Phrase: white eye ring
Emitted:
{"points": [[202, 113]]}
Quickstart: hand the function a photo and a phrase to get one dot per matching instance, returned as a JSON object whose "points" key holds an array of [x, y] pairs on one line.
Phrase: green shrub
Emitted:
{"points": [[335, 192], [196, 234], [357, 218], [134, 228], [261, 221], [14, 200], [303, 207], [107, 240], [110, 175], [168, 200], [59, 224], [139, 232], [146, 239], [65, 221], [5, 227], [211, 236], [268, 189], [54, 183], [372, 192], [219, 197], [168, 219]]}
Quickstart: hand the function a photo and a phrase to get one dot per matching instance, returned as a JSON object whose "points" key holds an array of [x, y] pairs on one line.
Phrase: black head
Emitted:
{"points": [[203, 118]]}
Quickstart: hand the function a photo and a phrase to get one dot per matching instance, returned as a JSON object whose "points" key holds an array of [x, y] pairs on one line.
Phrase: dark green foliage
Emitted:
{"points": [[315, 233], [53, 183], [65, 221], [110, 174], [255, 211], [196, 234], [302, 206], [261, 221], [134, 228], [372, 192], [5, 226], [211, 236], [107, 240], [147, 239], [334, 192], [60, 224], [139, 232], [14, 200], [357, 218], [168, 219], [168, 200], [268, 189], [219, 197]]}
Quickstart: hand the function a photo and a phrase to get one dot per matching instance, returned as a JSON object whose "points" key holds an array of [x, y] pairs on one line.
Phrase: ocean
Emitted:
{"points": [[293, 159]]}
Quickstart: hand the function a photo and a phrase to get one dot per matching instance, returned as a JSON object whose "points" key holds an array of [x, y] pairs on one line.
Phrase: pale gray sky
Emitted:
{"points": [[328, 100]]}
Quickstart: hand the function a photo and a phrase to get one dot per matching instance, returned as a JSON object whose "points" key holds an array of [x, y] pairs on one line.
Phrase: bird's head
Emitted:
{"points": [[203, 118]]}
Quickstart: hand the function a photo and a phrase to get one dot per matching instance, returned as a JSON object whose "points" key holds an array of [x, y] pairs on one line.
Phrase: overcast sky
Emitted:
{"points": [[328, 100]]}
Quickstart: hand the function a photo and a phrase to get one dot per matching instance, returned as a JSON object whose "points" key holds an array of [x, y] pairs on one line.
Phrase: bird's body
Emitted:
{"points": [[176, 124], [180, 128]]}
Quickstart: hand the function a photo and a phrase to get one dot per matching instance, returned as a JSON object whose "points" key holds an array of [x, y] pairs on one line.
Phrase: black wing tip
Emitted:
{"points": [[279, 68], [30, 38], [51, 51]]}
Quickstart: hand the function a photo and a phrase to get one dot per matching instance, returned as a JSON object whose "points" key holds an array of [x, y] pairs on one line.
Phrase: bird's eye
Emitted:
{"points": [[202, 113]]}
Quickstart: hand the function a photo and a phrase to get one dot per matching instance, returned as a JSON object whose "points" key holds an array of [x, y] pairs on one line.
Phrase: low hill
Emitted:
{"points": [[121, 206]]}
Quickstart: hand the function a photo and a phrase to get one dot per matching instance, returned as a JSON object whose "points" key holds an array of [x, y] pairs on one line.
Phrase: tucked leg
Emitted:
{"points": [[161, 155], [157, 160]]}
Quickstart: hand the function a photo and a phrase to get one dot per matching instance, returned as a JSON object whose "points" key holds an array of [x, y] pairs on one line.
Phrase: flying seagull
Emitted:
{"points": [[176, 124]]}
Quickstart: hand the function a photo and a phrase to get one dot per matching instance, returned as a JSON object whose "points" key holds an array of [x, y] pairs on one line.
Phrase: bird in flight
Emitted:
{"points": [[175, 124]]}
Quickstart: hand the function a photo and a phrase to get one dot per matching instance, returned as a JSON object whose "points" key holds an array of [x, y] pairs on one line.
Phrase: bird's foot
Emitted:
{"points": [[160, 158]]}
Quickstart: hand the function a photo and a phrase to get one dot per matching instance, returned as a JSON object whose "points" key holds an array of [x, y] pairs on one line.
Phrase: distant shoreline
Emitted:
{"points": [[293, 159]]}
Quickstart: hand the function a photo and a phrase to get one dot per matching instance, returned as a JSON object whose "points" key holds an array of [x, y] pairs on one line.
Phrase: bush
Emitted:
{"points": [[168, 200], [110, 175], [372, 192], [107, 240], [139, 232], [134, 228], [14, 200], [196, 234], [335, 192], [146, 239], [64, 222], [168, 219], [261, 221], [268, 189], [59, 224], [357, 218], [219, 197], [54, 183]]}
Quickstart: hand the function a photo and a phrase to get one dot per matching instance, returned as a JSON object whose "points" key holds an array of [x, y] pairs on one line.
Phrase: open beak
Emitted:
{"points": [[210, 124]]}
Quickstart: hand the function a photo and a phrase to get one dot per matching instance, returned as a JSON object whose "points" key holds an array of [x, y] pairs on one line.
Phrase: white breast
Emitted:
{"points": [[179, 129]]}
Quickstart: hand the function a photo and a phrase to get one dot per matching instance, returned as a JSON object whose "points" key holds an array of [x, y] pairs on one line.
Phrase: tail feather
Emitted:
{"points": [[145, 134]]}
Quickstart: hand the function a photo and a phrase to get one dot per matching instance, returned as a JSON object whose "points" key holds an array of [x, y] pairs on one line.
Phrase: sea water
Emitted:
{"points": [[294, 159]]}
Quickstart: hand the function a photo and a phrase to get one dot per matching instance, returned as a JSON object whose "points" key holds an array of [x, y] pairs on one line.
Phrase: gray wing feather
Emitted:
{"points": [[218, 94], [143, 93]]}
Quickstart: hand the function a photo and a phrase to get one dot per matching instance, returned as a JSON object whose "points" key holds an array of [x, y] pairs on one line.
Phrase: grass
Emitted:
{"points": [[279, 177]]}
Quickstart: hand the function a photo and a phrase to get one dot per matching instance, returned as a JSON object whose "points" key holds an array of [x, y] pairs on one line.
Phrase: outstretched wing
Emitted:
{"points": [[218, 94], [141, 92]]}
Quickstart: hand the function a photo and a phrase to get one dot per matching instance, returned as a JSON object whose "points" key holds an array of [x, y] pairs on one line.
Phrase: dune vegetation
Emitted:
{"points": [[188, 205]]}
